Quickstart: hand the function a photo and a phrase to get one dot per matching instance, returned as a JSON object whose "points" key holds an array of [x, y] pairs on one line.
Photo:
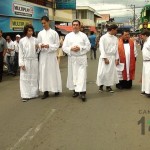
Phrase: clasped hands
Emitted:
{"points": [[107, 61], [75, 48], [44, 46]]}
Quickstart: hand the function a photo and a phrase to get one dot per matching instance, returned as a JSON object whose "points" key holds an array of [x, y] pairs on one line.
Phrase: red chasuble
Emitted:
{"points": [[122, 58]]}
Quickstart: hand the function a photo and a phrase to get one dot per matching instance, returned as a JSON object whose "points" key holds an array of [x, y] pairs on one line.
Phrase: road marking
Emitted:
{"points": [[30, 134]]}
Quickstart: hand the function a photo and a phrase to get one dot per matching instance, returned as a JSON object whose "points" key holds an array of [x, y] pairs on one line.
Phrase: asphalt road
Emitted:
{"points": [[105, 122]]}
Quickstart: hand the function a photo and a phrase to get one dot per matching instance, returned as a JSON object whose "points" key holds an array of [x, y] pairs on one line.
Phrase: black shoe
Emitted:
{"points": [[118, 86], [101, 88], [57, 94], [109, 89], [75, 94], [25, 99], [45, 95], [83, 97], [143, 93]]}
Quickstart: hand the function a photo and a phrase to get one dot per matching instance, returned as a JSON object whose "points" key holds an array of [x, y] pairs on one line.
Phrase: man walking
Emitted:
{"points": [[92, 39], [49, 76], [146, 63], [76, 45], [107, 72]]}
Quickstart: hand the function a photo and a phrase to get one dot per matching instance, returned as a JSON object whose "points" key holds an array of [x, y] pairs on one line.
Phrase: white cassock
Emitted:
{"points": [[107, 74], [146, 67], [28, 57], [127, 55], [49, 72], [77, 61]]}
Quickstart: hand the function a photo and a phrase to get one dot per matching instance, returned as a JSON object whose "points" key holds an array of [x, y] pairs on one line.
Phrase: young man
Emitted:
{"points": [[127, 56], [146, 63], [49, 72], [28, 62], [76, 45], [109, 58], [3, 49]]}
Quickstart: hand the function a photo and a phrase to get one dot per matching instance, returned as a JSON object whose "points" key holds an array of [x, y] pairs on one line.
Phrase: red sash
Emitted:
{"points": [[123, 59]]}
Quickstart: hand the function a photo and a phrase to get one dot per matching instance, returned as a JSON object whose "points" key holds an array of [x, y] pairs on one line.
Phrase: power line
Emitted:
{"points": [[118, 9]]}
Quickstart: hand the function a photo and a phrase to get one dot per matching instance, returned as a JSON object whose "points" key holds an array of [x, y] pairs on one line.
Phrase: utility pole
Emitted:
{"points": [[133, 7]]}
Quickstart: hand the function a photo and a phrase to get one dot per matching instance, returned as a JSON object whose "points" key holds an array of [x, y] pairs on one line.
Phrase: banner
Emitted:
{"points": [[14, 8], [65, 4], [18, 24]]}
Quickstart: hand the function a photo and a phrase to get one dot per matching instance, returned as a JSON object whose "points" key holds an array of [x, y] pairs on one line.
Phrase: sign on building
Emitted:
{"points": [[65, 4]]}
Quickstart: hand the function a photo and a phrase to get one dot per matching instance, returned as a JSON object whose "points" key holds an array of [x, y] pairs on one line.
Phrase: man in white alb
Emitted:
{"points": [[107, 71], [49, 72], [76, 45], [146, 63]]}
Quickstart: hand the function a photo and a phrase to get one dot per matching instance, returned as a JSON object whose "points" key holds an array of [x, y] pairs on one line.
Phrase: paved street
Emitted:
{"points": [[105, 122]]}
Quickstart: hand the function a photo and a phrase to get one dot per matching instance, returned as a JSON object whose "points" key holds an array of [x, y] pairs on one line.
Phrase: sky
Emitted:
{"points": [[121, 10]]}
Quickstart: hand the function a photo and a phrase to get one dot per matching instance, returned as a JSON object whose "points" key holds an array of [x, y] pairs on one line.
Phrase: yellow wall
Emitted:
{"points": [[87, 22], [63, 15]]}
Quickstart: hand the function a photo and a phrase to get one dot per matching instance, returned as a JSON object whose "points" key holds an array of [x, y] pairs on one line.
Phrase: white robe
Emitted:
{"points": [[49, 72], [107, 74], [77, 61], [146, 67], [28, 57], [127, 55]]}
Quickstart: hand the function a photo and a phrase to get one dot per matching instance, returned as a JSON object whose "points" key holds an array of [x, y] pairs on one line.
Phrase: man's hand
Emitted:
{"points": [[46, 46], [42, 46], [23, 68], [75, 48], [106, 61], [117, 62]]}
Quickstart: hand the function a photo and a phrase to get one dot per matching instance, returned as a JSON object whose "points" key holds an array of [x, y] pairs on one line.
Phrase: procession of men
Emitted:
{"points": [[39, 67]]}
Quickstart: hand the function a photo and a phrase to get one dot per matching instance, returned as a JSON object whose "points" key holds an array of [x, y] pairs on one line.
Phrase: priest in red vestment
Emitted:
{"points": [[127, 56]]}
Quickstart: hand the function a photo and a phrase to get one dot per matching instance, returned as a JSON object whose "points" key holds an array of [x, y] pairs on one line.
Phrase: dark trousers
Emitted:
{"points": [[15, 67], [1, 65], [93, 50], [10, 62], [125, 84]]}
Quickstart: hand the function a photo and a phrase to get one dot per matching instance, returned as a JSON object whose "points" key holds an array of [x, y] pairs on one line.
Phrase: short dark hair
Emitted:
{"points": [[1, 31], [76, 21], [123, 31], [112, 26], [92, 32], [45, 18], [26, 27], [145, 32]]}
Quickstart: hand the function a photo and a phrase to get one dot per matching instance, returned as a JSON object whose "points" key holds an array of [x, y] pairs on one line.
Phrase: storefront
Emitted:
{"points": [[14, 15]]}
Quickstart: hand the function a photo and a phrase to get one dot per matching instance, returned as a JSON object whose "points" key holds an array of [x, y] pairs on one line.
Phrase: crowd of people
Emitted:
{"points": [[39, 60]]}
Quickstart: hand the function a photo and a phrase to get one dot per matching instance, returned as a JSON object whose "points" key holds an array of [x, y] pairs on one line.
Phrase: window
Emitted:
{"points": [[84, 14]]}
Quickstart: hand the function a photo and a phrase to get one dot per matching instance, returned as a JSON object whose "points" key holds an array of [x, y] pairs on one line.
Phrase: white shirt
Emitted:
{"points": [[10, 45], [16, 46]]}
